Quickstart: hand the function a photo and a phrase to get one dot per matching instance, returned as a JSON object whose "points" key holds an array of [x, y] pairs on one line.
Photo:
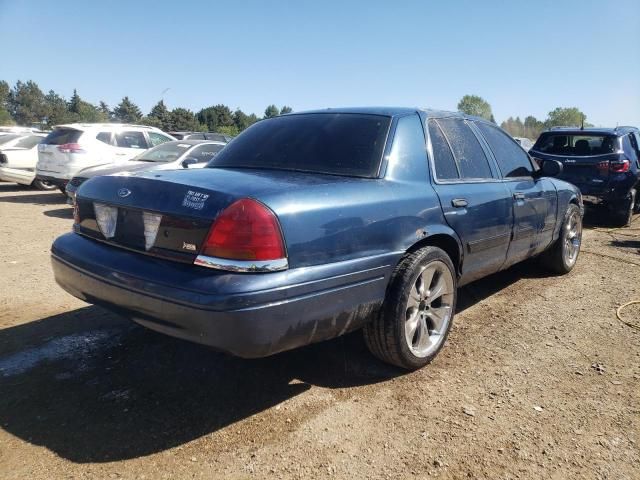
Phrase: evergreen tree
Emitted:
{"points": [[162, 115], [271, 111], [75, 102], [26, 103], [183, 119], [57, 111], [127, 112], [105, 111], [285, 110]]}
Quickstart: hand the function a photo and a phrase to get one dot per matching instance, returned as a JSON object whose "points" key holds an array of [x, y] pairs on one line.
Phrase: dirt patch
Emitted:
{"points": [[538, 380]]}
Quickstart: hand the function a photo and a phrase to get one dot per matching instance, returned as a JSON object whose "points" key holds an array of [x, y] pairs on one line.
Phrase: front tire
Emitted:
{"points": [[42, 185], [562, 256], [418, 310]]}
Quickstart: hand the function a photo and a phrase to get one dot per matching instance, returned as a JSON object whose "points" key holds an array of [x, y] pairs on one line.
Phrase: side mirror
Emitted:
{"points": [[549, 168], [189, 161]]}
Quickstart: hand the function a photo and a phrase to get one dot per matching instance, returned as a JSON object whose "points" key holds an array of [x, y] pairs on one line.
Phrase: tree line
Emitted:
{"points": [[531, 127], [27, 105]]}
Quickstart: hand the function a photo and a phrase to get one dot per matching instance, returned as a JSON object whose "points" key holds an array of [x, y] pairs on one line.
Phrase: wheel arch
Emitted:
{"points": [[447, 241]]}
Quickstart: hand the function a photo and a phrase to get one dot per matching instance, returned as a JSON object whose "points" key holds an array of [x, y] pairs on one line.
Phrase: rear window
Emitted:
{"points": [[333, 143], [131, 139], [60, 136], [569, 145]]}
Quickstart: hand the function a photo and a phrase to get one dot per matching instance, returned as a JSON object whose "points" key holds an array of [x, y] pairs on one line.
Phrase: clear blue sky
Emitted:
{"points": [[524, 57]]}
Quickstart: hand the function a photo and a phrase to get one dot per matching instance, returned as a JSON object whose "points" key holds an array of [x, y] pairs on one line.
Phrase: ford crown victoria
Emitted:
{"points": [[311, 225]]}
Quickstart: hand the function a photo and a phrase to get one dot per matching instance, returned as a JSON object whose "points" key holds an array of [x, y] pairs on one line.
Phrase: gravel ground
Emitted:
{"points": [[538, 380]]}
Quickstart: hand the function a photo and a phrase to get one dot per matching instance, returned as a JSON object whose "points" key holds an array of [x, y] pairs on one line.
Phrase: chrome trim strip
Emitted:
{"points": [[242, 265]]}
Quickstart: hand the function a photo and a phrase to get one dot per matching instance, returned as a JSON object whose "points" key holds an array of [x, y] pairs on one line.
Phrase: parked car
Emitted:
{"points": [[70, 148], [524, 142], [218, 137], [7, 140], [603, 162], [18, 161], [15, 129], [311, 225], [166, 156]]}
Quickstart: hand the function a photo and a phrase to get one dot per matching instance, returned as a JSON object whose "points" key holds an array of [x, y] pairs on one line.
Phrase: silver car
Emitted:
{"points": [[166, 156]]}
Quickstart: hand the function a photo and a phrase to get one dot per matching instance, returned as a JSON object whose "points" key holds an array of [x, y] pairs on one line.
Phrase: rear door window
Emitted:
{"points": [[105, 137], [131, 139], [157, 138], [512, 160], [468, 152], [445, 164], [60, 136]]}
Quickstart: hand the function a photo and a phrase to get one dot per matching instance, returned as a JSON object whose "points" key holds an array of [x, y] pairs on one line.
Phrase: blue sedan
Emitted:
{"points": [[314, 224]]}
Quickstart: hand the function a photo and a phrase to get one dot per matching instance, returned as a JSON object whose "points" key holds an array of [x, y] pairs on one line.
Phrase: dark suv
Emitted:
{"points": [[603, 162]]}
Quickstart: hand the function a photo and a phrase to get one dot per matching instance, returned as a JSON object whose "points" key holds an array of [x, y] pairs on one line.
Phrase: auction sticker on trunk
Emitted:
{"points": [[195, 200]]}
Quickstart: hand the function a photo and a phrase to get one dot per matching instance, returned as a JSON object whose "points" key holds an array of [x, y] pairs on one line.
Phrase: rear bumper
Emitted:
{"points": [[16, 175], [248, 315]]}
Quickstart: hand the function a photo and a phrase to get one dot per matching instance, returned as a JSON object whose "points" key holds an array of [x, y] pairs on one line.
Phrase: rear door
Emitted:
{"points": [[129, 143], [534, 200], [475, 202]]}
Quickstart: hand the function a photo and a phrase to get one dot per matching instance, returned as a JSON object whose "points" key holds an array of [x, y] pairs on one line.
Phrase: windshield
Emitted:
{"points": [[333, 143], [165, 152], [28, 142], [571, 145]]}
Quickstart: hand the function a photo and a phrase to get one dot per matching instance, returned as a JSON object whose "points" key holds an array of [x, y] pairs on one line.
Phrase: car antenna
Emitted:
{"points": [[582, 125]]}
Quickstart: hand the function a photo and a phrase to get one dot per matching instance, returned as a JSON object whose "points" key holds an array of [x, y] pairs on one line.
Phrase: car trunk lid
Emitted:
{"points": [[169, 213]]}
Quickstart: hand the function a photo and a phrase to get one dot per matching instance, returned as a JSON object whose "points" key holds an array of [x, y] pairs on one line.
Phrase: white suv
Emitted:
{"points": [[70, 148]]}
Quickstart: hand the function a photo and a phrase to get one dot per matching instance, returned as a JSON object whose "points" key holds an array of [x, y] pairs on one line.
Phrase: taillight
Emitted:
{"points": [[620, 166], [603, 166], [71, 148], [245, 231]]}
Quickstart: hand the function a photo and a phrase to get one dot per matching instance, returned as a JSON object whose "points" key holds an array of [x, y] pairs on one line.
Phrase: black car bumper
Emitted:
{"points": [[248, 315]]}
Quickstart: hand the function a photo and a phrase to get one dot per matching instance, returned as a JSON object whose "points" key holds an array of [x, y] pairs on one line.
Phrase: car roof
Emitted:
{"points": [[394, 112], [591, 130], [193, 142], [106, 126]]}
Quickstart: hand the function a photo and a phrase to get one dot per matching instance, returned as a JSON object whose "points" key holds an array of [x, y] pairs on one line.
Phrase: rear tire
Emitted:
{"points": [[624, 212], [416, 317], [562, 255], [42, 185]]}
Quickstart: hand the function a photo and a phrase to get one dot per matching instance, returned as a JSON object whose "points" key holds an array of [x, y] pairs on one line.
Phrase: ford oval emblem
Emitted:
{"points": [[124, 192]]}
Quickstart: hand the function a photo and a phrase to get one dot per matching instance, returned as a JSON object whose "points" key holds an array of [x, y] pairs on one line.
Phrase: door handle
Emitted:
{"points": [[459, 202], [518, 196]]}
